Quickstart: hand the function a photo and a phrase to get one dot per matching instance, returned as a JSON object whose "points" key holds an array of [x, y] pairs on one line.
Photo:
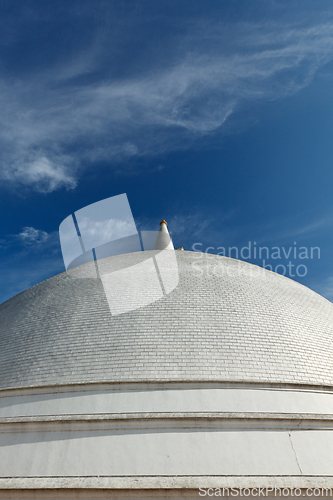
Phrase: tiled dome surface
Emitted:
{"points": [[226, 321]]}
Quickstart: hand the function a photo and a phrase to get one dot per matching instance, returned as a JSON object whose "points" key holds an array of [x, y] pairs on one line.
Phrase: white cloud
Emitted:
{"points": [[20, 274], [194, 226], [27, 258], [44, 174], [97, 233], [49, 125], [32, 236], [30, 239]]}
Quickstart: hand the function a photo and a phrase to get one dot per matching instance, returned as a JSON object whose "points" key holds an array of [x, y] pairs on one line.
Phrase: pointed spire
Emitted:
{"points": [[163, 240]]}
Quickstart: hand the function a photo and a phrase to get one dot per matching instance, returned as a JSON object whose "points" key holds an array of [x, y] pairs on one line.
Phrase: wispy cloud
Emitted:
{"points": [[57, 123], [19, 273], [325, 288], [289, 229], [318, 225], [193, 226], [30, 239], [31, 236], [27, 258]]}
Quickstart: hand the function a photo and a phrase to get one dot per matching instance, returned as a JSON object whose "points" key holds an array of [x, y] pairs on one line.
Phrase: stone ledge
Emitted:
{"points": [[170, 415], [165, 482], [142, 385], [144, 420]]}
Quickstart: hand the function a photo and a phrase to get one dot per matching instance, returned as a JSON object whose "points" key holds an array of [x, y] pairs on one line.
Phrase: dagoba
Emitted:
{"points": [[157, 375]]}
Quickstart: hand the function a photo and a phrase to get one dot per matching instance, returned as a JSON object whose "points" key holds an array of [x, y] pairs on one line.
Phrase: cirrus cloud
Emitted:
{"points": [[56, 123]]}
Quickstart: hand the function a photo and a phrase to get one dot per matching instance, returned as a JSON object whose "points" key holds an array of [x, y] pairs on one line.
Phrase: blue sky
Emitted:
{"points": [[216, 116]]}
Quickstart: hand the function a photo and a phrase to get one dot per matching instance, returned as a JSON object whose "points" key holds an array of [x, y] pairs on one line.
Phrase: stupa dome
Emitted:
{"points": [[137, 376], [227, 320]]}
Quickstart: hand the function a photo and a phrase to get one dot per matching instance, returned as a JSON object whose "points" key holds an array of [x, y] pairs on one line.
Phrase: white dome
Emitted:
{"points": [[227, 320], [224, 381]]}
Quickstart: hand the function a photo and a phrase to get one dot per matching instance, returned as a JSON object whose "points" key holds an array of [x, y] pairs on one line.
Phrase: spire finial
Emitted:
{"points": [[163, 240]]}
